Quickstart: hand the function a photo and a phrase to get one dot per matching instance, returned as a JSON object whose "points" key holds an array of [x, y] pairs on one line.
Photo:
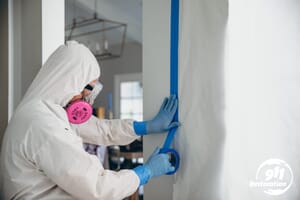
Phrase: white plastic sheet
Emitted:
{"points": [[201, 137], [240, 102]]}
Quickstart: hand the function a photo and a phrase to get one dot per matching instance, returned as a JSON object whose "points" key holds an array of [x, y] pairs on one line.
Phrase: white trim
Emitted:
{"points": [[117, 82]]}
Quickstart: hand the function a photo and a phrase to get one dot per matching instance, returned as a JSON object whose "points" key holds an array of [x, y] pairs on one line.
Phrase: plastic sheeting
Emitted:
{"points": [[201, 59], [239, 102]]}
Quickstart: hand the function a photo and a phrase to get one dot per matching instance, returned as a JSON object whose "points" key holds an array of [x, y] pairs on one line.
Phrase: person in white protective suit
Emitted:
{"points": [[42, 153]]}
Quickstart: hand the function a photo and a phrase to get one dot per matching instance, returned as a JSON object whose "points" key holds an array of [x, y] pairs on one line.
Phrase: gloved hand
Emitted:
{"points": [[158, 164], [162, 121]]}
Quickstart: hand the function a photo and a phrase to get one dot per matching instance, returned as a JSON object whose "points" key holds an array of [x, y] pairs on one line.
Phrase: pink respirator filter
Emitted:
{"points": [[79, 112]]}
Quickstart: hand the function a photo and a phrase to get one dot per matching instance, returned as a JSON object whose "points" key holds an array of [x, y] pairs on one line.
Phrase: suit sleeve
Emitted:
{"points": [[63, 160], [106, 132]]}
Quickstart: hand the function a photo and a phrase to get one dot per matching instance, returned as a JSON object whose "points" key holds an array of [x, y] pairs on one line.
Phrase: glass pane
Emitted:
{"points": [[126, 106], [138, 117], [132, 89], [126, 116], [137, 90], [134, 106], [131, 106], [125, 89], [131, 103]]}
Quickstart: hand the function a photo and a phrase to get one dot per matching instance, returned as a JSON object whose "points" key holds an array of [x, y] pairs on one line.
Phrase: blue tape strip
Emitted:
{"points": [[173, 63]]}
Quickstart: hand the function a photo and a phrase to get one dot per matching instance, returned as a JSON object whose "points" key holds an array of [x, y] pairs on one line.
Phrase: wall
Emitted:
{"points": [[31, 41], [37, 30], [53, 26], [16, 55], [3, 65], [129, 62], [156, 82]]}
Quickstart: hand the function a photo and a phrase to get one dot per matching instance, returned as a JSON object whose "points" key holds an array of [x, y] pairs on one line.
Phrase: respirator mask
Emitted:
{"points": [[81, 110]]}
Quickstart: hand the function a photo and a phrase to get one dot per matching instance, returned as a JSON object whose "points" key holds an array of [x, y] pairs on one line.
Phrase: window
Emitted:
{"points": [[129, 97], [131, 100]]}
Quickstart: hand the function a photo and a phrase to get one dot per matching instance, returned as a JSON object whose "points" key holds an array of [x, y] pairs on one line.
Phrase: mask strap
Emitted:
{"points": [[89, 87]]}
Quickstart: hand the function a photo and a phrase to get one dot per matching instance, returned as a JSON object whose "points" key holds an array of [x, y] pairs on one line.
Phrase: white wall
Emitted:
{"points": [[15, 81], [156, 82], [31, 41], [53, 26], [37, 30]]}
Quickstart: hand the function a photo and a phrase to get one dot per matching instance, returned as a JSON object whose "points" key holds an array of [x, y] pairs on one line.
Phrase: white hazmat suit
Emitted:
{"points": [[42, 155]]}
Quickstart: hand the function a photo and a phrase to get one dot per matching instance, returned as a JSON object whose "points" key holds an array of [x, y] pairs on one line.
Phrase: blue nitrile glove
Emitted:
{"points": [[162, 121], [158, 164]]}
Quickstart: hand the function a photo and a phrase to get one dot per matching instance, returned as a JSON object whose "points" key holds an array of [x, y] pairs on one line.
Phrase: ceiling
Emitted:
{"points": [[125, 11]]}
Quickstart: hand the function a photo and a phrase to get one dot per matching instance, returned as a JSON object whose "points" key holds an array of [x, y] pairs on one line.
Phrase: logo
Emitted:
{"points": [[273, 176]]}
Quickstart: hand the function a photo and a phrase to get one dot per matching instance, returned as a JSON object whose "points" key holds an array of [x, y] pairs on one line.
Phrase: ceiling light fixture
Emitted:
{"points": [[105, 38]]}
